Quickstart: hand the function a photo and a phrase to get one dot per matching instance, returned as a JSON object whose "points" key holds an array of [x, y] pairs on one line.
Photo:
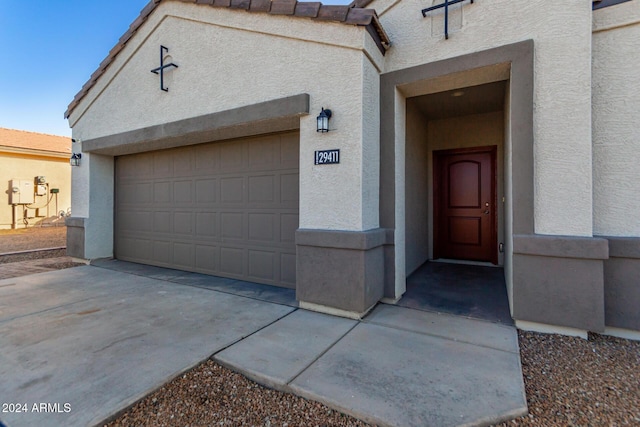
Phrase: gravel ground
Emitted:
{"points": [[574, 382], [213, 395], [5, 259], [23, 239], [569, 382], [28, 239]]}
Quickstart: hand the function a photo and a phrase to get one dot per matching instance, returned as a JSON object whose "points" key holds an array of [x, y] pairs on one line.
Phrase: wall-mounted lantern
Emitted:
{"points": [[323, 120], [75, 159]]}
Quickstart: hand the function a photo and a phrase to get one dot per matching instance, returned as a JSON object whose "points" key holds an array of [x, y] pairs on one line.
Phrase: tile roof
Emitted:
{"points": [[354, 14], [21, 139]]}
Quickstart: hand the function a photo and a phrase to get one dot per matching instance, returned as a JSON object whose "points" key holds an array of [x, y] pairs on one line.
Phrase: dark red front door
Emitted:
{"points": [[465, 204]]}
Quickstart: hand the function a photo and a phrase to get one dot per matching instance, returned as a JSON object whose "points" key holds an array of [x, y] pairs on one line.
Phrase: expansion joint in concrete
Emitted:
{"points": [[293, 378], [234, 342]]}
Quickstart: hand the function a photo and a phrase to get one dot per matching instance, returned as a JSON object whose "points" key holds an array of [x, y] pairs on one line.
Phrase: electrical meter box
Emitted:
{"points": [[21, 192], [40, 180]]}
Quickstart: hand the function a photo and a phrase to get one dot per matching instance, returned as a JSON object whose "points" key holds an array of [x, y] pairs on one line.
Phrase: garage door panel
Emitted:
{"points": [[207, 158], [288, 270], [131, 167], [182, 191], [183, 223], [206, 258], [261, 189], [144, 193], [183, 255], [262, 265], [262, 226], [162, 252], [162, 222], [206, 224], [264, 156], [232, 225], [232, 190], [127, 247], [162, 192], [126, 220], [206, 191], [128, 193], [227, 208], [183, 163], [289, 151], [232, 261], [162, 164], [290, 189], [288, 226], [231, 157]]}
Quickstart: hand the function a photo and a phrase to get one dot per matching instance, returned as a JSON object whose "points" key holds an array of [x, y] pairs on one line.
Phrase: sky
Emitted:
{"points": [[49, 49]]}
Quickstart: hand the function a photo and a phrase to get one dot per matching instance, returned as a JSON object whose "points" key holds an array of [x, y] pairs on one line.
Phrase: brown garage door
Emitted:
{"points": [[225, 208]]}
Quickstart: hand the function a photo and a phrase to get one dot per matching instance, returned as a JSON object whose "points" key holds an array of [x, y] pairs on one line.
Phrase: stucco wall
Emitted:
{"points": [[508, 189], [417, 214], [80, 183], [231, 58], [370, 145], [18, 166], [562, 116], [616, 114]]}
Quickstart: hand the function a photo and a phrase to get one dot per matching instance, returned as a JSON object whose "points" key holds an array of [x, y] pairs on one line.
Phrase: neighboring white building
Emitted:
{"points": [[512, 140]]}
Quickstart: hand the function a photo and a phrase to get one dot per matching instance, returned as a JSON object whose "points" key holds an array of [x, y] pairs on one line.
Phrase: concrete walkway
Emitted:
{"points": [[92, 340]]}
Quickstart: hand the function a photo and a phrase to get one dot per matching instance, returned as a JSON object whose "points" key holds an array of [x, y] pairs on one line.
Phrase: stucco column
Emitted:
{"points": [[90, 228], [340, 253]]}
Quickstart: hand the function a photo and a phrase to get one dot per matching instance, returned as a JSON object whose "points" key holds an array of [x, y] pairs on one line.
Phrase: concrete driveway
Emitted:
{"points": [[98, 340], [88, 342]]}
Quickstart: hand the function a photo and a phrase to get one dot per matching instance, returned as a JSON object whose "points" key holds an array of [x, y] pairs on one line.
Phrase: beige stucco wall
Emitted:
{"points": [[230, 58], [26, 166], [508, 188], [417, 216], [370, 145], [562, 87], [616, 114]]}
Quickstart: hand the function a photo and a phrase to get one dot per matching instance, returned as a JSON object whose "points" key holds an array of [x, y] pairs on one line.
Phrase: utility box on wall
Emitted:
{"points": [[21, 192]]}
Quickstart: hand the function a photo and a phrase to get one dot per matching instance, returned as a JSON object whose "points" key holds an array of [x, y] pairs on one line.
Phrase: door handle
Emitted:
{"points": [[486, 212]]}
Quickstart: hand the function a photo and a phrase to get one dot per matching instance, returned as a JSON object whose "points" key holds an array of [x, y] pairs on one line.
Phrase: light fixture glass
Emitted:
{"points": [[75, 159], [323, 121]]}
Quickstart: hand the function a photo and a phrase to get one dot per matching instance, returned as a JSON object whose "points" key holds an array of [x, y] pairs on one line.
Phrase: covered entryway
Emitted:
{"points": [[225, 208], [420, 115], [455, 175], [454, 206]]}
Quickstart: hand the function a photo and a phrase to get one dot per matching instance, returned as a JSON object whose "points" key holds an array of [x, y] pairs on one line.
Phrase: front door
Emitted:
{"points": [[465, 204]]}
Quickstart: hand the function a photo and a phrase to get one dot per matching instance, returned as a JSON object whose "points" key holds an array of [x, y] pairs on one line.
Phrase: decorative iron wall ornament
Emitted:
{"points": [[160, 69], [444, 5]]}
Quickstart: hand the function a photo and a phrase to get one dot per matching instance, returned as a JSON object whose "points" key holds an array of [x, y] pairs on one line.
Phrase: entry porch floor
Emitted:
{"points": [[472, 291]]}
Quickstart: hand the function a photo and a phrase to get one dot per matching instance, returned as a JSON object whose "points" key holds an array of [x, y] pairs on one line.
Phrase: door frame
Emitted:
{"points": [[437, 195]]}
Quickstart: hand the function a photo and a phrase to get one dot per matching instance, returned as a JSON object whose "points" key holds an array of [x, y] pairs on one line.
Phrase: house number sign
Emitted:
{"points": [[327, 157]]}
